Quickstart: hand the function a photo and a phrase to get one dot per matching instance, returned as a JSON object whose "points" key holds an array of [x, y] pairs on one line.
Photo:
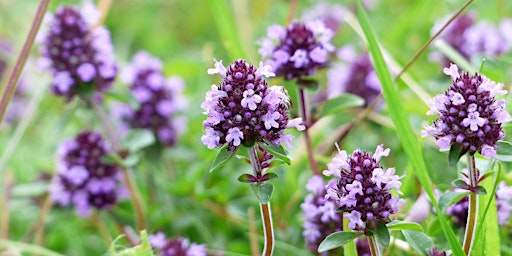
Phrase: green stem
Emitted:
{"points": [[374, 247], [473, 207], [127, 174], [307, 139], [266, 214], [22, 59], [268, 229]]}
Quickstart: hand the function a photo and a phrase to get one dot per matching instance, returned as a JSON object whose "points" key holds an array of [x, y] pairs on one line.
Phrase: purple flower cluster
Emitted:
{"points": [[76, 54], [82, 179], [243, 109], [470, 38], [362, 188], [175, 247], [468, 114], [320, 214], [297, 51], [354, 75], [159, 99], [459, 210]]}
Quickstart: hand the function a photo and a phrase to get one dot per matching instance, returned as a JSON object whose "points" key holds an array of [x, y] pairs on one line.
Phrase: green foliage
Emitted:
{"points": [[337, 239]]}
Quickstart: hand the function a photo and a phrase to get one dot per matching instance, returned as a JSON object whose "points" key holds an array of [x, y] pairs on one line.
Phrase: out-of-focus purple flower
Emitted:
{"points": [[159, 99], [362, 187], [297, 51], [243, 109], [355, 75], [436, 252], [176, 246], [320, 214], [82, 179], [470, 38], [468, 114], [80, 58], [504, 202], [332, 15]]}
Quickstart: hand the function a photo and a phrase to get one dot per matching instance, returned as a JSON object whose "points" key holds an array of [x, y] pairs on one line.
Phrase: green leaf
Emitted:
{"points": [[382, 234], [309, 84], [277, 151], [480, 190], [449, 198], [404, 225], [401, 121], [419, 242], [226, 25], [26, 248], [263, 192], [336, 104], [112, 158], [504, 151], [131, 160], [245, 178], [143, 249], [456, 151], [337, 239], [222, 158], [459, 183], [29, 190], [138, 139], [124, 97]]}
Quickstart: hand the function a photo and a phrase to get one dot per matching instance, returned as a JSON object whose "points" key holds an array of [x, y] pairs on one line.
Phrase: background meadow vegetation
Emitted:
{"points": [[181, 197]]}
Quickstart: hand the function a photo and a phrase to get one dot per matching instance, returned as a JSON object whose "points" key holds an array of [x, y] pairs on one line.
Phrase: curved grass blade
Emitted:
{"points": [[227, 29], [403, 126]]}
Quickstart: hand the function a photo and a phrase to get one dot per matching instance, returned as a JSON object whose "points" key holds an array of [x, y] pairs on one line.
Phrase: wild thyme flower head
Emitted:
{"points": [[297, 51], [243, 109], [354, 75], [468, 114], [362, 187], [320, 214], [176, 246], [78, 56], [158, 97], [82, 179]]}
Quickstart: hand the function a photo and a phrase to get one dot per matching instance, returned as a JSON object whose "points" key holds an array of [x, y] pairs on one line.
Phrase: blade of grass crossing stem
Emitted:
{"points": [[349, 248], [486, 240], [404, 128], [226, 26]]}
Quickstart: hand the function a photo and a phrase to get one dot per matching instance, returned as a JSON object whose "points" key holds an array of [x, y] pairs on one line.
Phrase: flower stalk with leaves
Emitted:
{"points": [[469, 121], [244, 111]]}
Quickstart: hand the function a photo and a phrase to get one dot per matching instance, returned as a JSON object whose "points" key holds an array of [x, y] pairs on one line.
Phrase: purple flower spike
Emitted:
{"points": [[175, 247], [75, 53], [320, 214], [468, 114], [298, 50], [243, 109], [82, 179], [362, 188], [159, 99]]}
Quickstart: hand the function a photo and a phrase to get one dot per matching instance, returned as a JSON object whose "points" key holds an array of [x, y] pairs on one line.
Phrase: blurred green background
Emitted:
{"points": [[181, 197]]}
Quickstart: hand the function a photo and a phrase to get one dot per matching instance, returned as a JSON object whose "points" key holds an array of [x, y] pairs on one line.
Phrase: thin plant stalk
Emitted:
{"points": [[374, 247], [5, 205], [266, 214], [12, 83], [268, 229], [307, 139], [253, 240], [127, 174], [469, 236], [40, 231]]}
